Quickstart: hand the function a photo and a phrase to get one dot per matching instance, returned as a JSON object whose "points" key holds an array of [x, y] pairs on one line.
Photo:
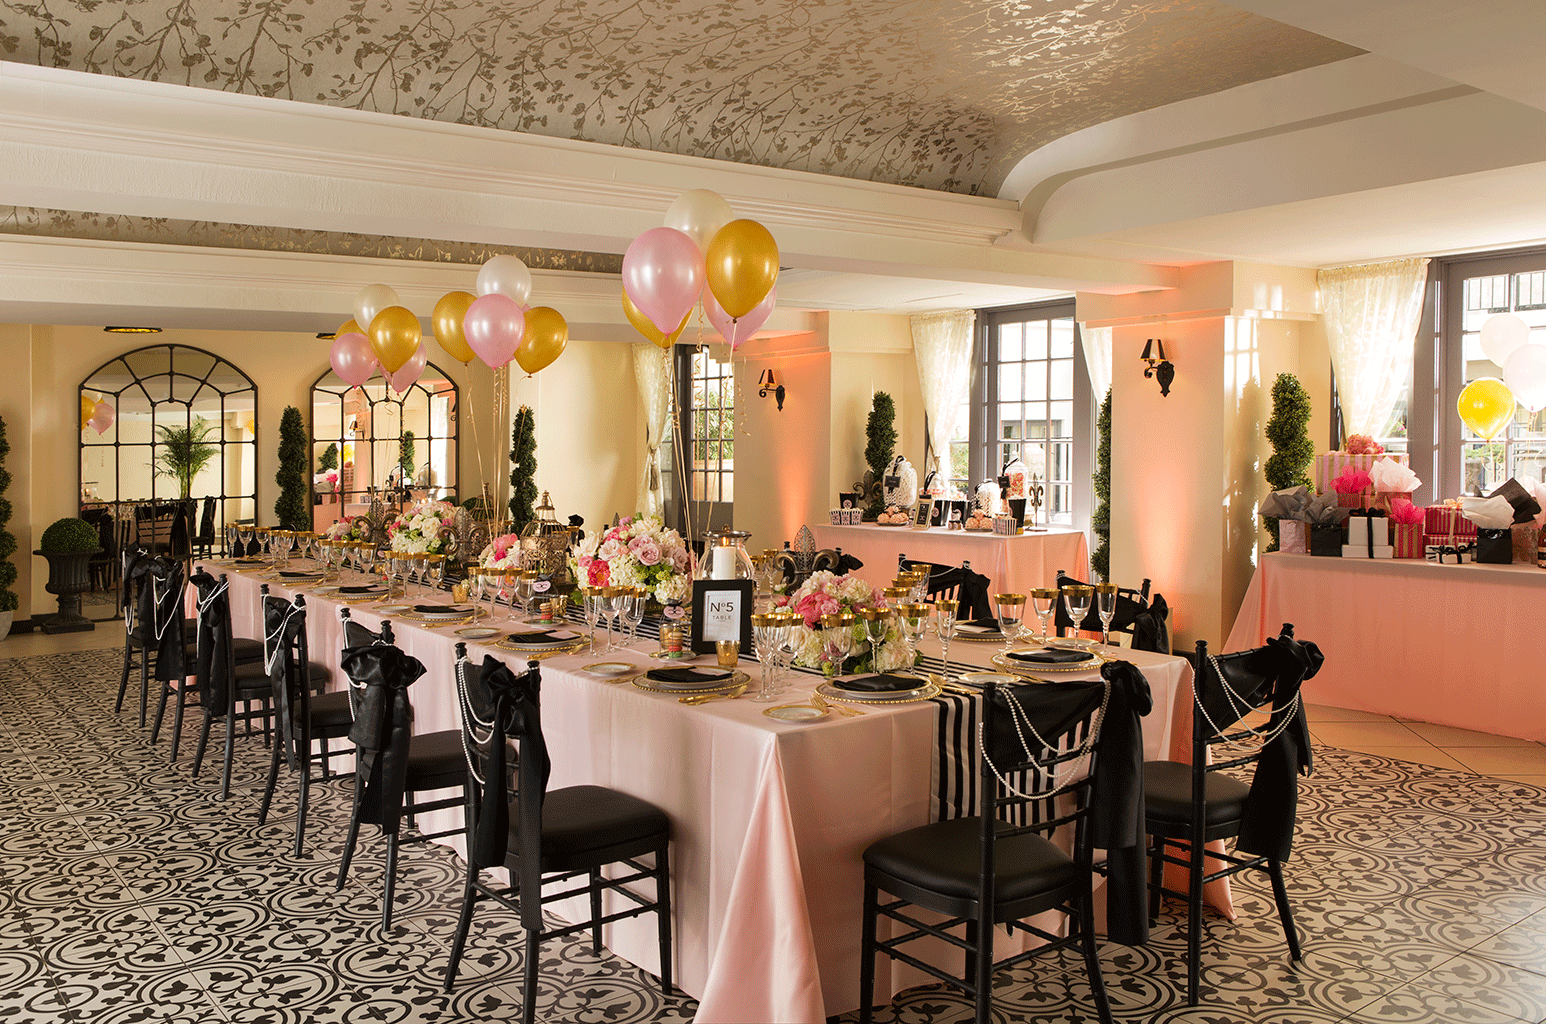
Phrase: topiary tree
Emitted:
{"points": [[880, 442], [8, 599], [407, 457], [1288, 433], [69, 535], [293, 510], [328, 459], [523, 477], [1100, 522]]}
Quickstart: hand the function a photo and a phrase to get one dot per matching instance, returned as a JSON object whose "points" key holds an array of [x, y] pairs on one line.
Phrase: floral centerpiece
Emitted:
{"points": [[347, 528], [825, 594], [503, 552], [638, 552], [418, 529]]}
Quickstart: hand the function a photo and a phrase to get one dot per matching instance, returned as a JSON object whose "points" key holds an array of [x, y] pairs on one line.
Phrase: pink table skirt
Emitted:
{"points": [[1457, 645], [1012, 564], [768, 819]]}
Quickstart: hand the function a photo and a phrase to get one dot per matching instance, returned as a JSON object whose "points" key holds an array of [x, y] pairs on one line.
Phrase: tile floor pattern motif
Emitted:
{"points": [[128, 893]]}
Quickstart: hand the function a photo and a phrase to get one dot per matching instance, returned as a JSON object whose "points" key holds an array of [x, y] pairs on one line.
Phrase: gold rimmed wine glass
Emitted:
{"points": [[1044, 601], [877, 623], [1106, 607], [1011, 612], [1076, 600], [837, 639], [766, 629], [914, 616], [945, 625]]}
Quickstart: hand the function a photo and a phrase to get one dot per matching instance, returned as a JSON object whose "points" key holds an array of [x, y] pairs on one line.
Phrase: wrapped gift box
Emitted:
{"points": [[1407, 539], [1527, 540], [1367, 530], [1364, 551], [1326, 541], [1330, 465], [1447, 553], [1446, 521], [1494, 547]]}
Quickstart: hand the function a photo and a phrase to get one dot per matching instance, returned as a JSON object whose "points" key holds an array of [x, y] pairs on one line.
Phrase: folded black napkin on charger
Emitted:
{"points": [[442, 609], [541, 636], [989, 623], [1052, 656], [371, 589], [298, 575], [886, 682], [689, 675]]}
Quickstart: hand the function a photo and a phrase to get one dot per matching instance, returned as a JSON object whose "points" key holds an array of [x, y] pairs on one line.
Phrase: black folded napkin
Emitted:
{"points": [[1052, 656], [689, 675], [538, 636], [884, 683], [442, 609], [372, 589], [298, 575], [989, 623]]}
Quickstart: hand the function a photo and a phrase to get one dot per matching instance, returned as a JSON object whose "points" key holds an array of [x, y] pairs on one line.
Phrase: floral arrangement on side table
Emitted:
{"points": [[638, 552], [825, 594], [418, 529]]}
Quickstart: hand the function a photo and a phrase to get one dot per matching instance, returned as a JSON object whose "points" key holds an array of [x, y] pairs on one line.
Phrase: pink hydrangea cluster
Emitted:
{"points": [[637, 552]]}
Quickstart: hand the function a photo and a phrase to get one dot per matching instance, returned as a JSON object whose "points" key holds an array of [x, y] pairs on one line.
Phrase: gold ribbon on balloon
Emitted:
{"points": [[394, 337], [644, 326]]}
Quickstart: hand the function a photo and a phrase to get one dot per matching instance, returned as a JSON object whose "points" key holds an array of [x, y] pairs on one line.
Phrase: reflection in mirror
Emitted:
{"points": [[178, 462], [360, 443]]}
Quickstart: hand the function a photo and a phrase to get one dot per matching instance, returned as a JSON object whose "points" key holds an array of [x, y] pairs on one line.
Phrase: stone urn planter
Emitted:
{"points": [[68, 579]]}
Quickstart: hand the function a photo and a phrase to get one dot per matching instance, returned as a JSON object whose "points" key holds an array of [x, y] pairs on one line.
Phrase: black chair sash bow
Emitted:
{"points": [[282, 623], [383, 725], [512, 705], [212, 662], [158, 582]]}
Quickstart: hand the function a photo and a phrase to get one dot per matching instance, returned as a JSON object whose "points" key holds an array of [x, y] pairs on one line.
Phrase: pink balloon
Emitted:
{"points": [[409, 372], [353, 359], [494, 326], [738, 332], [663, 276], [102, 417]]}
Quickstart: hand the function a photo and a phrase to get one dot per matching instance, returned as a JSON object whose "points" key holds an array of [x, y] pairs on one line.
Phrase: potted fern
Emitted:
{"points": [[183, 452], [68, 545]]}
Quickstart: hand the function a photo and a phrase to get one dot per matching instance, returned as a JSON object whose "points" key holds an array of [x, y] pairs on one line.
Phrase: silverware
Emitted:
{"points": [[817, 700], [704, 698]]}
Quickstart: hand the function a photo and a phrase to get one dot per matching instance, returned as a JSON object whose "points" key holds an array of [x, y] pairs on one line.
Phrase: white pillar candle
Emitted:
{"points": [[724, 563]]}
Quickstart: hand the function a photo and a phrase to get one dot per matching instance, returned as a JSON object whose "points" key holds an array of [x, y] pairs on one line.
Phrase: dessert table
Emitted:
{"points": [[768, 818], [1458, 645], [1012, 564]]}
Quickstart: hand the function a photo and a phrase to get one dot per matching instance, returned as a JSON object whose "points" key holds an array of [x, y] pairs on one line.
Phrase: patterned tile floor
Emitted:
{"points": [[129, 893]]}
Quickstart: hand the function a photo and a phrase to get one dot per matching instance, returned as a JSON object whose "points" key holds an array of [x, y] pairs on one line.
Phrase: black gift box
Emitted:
{"points": [[848, 499], [1494, 546], [1326, 541], [1526, 507], [1017, 509]]}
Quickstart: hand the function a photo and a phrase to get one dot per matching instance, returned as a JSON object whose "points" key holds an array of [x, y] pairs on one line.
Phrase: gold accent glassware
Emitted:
{"points": [[728, 652], [1011, 612], [765, 632], [1077, 600], [1106, 606], [877, 623], [945, 625], [1044, 601], [837, 639]]}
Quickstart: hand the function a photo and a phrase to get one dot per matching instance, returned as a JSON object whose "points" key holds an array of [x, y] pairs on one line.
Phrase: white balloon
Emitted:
{"points": [[505, 275], [1502, 334], [1525, 374], [373, 299], [699, 214]]}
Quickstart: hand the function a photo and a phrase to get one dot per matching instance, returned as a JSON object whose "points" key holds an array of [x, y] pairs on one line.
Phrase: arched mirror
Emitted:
{"points": [[170, 457], [370, 440]]}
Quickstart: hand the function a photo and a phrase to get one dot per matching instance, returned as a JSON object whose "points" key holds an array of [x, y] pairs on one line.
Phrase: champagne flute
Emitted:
{"points": [[766, 627], [591, 608], [837, 639], [1106, 605], [1011, 611], [877, 622], [617, 597], [1076, 600], [945, 626], [790, 637], [635, 611], [1044, 601], [915, 619], [435, 571]]}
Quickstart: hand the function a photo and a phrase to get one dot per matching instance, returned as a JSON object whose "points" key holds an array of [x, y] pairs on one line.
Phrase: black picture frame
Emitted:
{"points": [[923, 513], [704, 613]]}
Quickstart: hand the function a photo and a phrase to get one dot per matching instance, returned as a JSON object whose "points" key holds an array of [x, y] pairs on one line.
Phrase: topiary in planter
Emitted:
{"points": [[1100, 522], [68, 544], [293, 508], [523, 478], [1288, 433], [66, 536], [880, 442]]}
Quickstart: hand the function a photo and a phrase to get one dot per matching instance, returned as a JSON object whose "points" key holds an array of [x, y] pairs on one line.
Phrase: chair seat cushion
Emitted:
{"points": [[1167, 794], [946, 857], [244, 649], [582, 819], [251, 678], [435, 759], [331, 711]]}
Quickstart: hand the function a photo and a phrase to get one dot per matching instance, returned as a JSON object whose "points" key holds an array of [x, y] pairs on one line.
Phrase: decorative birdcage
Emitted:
{"points": [[545, 545]]}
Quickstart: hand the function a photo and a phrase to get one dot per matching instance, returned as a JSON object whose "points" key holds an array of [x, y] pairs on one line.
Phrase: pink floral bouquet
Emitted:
{"points": [[826, 594], [418, 529], [347, 528], [503, 552], [1363, 444], [638, 552]]}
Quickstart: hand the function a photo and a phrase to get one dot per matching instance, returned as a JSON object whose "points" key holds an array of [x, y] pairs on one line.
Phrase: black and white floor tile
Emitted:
{"points": [[130, 893]]}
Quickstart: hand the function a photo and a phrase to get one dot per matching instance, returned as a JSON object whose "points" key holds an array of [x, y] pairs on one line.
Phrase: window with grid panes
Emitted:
{"points": [[711, 417]]}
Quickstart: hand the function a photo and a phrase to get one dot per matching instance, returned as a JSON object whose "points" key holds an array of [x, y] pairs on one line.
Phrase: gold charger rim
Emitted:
{"points": [[642, 681], [930, 690], [539, 655], [478, 612], [1093, 665]]}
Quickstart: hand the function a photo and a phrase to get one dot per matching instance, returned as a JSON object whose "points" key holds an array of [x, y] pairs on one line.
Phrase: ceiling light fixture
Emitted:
{"points": [[326, 335], [132, 330]]}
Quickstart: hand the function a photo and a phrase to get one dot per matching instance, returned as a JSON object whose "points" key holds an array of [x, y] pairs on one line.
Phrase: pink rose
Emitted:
{"points": [[598, 574], [681, 560], [585, 562], [610, 549], [647, 552], [625, 522]]}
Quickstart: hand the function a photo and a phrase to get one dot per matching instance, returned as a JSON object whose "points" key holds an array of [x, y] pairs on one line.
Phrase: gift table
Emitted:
{"points": [[1012, 564], [768, 819], [1458, 645]]}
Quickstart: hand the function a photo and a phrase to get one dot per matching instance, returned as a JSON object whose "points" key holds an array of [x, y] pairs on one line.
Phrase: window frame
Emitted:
{"points": [[719, 511]]}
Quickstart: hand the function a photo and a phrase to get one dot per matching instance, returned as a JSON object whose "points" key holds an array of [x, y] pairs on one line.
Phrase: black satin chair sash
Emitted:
{"points": [[383, 726], [280, 629], [513, 704]]}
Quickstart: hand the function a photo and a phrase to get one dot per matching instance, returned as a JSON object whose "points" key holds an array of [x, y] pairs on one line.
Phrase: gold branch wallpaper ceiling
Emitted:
{"points": [[941, 95]]}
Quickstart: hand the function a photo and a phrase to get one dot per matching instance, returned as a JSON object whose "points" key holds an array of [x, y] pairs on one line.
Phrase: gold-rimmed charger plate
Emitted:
{"points": [[1031, 668], [431, 619], [795, 713], [928, 691], [539, 653], [643, 682]]}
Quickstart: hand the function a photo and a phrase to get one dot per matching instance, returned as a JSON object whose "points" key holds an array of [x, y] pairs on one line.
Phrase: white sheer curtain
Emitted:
{"points": [[942, 346], [1371, 314], [1096, 342], [652, 371]]}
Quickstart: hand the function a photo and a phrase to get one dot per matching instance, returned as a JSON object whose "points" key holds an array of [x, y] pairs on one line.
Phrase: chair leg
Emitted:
{"points": [[230, 750], [268, 788], [353, 837], [123, 680], [529, 996], [595, 911], [867, 953], [663, 912], [1285, 914], [203, 744], [144, 685], [1092, 958], [463, 925], [391, 882], [1194, 920], [1156, 878], [177, 718], [166, 688], [983, 973], [300, 809]]}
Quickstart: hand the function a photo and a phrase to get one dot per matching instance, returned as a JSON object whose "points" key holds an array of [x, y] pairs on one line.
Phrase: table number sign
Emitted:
{"points": [[721, 610], [923, 514]]}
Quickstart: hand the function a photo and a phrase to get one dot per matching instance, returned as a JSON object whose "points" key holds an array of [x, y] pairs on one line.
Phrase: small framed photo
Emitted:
{"points": [[721, 610], [923, 513]]}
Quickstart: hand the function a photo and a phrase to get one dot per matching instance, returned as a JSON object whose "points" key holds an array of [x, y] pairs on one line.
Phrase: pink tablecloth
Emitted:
{"points": [[768, 819], [1458, 645], [1013, 564]]}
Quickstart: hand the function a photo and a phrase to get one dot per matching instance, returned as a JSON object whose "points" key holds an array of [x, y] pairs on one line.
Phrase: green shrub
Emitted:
{"points": [[1288, 433], [69, 535], [523, 478], [1100, 522], [880, 442], [293, 509]]}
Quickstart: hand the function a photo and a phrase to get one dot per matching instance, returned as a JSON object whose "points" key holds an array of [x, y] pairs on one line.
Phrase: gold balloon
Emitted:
{"points": [[741, 266], [348, 327], [644, 326], [88, 409], [1486, 405], [546, 335], [447, 319], [394, 336]]}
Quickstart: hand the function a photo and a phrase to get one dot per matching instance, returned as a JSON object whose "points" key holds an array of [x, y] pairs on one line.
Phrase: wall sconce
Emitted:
{"points": [[767, 385], [1159, 367]]}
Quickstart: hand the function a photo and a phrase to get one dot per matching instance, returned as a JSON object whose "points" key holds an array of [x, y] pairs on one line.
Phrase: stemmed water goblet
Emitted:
{"points": [[837, 639], [945, 626], [1076, 600], [1106, 606], [594, 609], [914, 617], [791, 635], [1044, 601], [617, 597], [435, 571], [243, 534], [766, 627], [1011, 612], [877, 623], [633, 611]]}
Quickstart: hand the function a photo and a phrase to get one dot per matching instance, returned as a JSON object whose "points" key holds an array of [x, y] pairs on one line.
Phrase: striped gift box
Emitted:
{"points": [[1330, 465]]}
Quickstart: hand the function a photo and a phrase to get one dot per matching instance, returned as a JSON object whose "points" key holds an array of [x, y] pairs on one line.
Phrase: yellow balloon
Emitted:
{"points": [[644, 326], [395, 335], [1486, 405], [546, 335], [447, 319], [88, 409], [348, 327], [741, 266]]}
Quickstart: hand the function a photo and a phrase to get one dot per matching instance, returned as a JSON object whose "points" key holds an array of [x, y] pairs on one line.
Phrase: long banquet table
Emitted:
{"points": [[768, 819], [1013, 564], [1457, 645]]}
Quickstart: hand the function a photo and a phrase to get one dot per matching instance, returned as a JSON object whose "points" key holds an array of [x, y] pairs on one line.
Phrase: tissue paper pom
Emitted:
{"points": [[1352, 481], [1404, 513]]}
